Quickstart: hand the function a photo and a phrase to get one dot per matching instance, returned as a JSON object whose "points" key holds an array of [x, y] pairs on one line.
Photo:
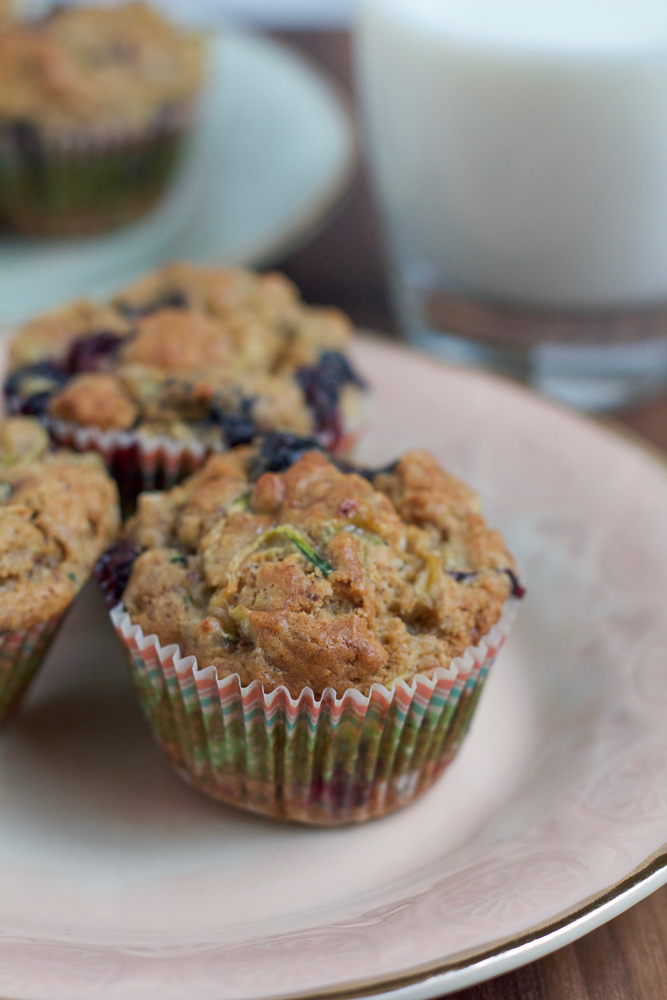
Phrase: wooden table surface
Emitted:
{"points": [[342, 264]]}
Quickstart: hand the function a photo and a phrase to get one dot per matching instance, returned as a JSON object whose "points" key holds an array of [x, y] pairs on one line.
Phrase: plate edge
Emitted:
{"points": [[517, 950], [316, 213]]}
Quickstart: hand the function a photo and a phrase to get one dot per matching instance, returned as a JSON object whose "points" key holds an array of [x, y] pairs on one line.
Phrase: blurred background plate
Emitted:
{"points": [[273, 152]]}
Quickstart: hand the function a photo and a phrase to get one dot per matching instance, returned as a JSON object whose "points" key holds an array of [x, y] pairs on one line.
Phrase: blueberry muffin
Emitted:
{"points": [[318, 588], [58, 512], [189, 360], [95, 103]]}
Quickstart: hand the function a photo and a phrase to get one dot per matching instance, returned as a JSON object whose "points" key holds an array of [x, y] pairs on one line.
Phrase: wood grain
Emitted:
{"points": [[343, 264]]}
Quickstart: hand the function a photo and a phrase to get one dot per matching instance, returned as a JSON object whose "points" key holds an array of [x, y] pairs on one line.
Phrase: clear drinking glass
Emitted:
{"points": [[519, 154]]}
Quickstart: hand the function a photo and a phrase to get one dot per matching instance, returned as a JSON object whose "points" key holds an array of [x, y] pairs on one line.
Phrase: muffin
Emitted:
{"points": [[310, 643], [58, 512], [95, 103], [187, 361]]}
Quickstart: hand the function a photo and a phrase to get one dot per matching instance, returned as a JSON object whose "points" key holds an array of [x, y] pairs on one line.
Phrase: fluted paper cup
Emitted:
{"points": [[21, 654], [136, 461], [325, 761], [141, 462], [89, 181]]}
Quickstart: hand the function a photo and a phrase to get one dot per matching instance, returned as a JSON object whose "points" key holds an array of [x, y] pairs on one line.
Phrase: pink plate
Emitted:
{"points": [[119, 882]]}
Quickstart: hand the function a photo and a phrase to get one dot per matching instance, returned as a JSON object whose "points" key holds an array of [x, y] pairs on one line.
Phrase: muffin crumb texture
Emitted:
{"points": [[58, 512], [317, 577], [208, 356]]}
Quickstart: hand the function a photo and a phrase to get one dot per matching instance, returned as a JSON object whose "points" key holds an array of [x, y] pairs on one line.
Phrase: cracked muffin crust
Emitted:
{"points": [[206, 355], [313, 576], [58, 512]]}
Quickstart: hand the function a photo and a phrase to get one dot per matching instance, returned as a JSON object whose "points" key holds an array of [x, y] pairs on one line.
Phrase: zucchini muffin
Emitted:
{"points": [[58, 512], [347, 596], [189, 360], [94, 106]]}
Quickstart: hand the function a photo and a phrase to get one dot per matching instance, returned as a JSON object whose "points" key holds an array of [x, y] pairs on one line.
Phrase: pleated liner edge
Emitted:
{"points": [[323, 761], [21, 655]]}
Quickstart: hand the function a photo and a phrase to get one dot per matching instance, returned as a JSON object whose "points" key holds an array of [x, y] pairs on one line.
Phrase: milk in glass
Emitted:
{"points": [[519, 149]]}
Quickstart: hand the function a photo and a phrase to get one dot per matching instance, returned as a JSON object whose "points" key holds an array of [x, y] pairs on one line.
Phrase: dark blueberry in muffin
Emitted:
{"points": [[237, 428], [29, 388], [339, 369], [362, 470], [321, 386], [41, 369], [35, 405], [517, 589], [459, 575], [172, 300], [88, 353], [113, 569], [278, 451]]}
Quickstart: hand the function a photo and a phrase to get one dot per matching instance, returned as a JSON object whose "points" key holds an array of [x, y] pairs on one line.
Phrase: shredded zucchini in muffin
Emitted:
{"points": [[313, 576]]}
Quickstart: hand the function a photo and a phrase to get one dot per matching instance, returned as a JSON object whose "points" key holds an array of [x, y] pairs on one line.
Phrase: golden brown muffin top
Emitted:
{"points": [[317, 577], [189, 352], [262, 314], [95, 399], [57, 515], [176, 340], [104, 68], [259, 317], [50, 335], [21, 440]]}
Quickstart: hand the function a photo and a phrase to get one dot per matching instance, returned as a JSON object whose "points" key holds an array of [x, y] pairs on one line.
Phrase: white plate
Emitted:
{"points": [[119, 882], [273, 151]]}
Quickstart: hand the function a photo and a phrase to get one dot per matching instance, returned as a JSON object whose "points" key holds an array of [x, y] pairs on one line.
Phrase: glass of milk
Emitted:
{"points": [[519, 153]]}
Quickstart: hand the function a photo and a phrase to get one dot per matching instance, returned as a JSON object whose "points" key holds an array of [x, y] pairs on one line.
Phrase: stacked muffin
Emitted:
{"points": [[188, 361], [94, 105]]}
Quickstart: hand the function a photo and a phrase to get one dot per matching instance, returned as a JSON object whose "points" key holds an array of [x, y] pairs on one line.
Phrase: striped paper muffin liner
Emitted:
{"points": [[140, 462], [89, 181], [21, 654], [136, 461], [323, 761]]}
